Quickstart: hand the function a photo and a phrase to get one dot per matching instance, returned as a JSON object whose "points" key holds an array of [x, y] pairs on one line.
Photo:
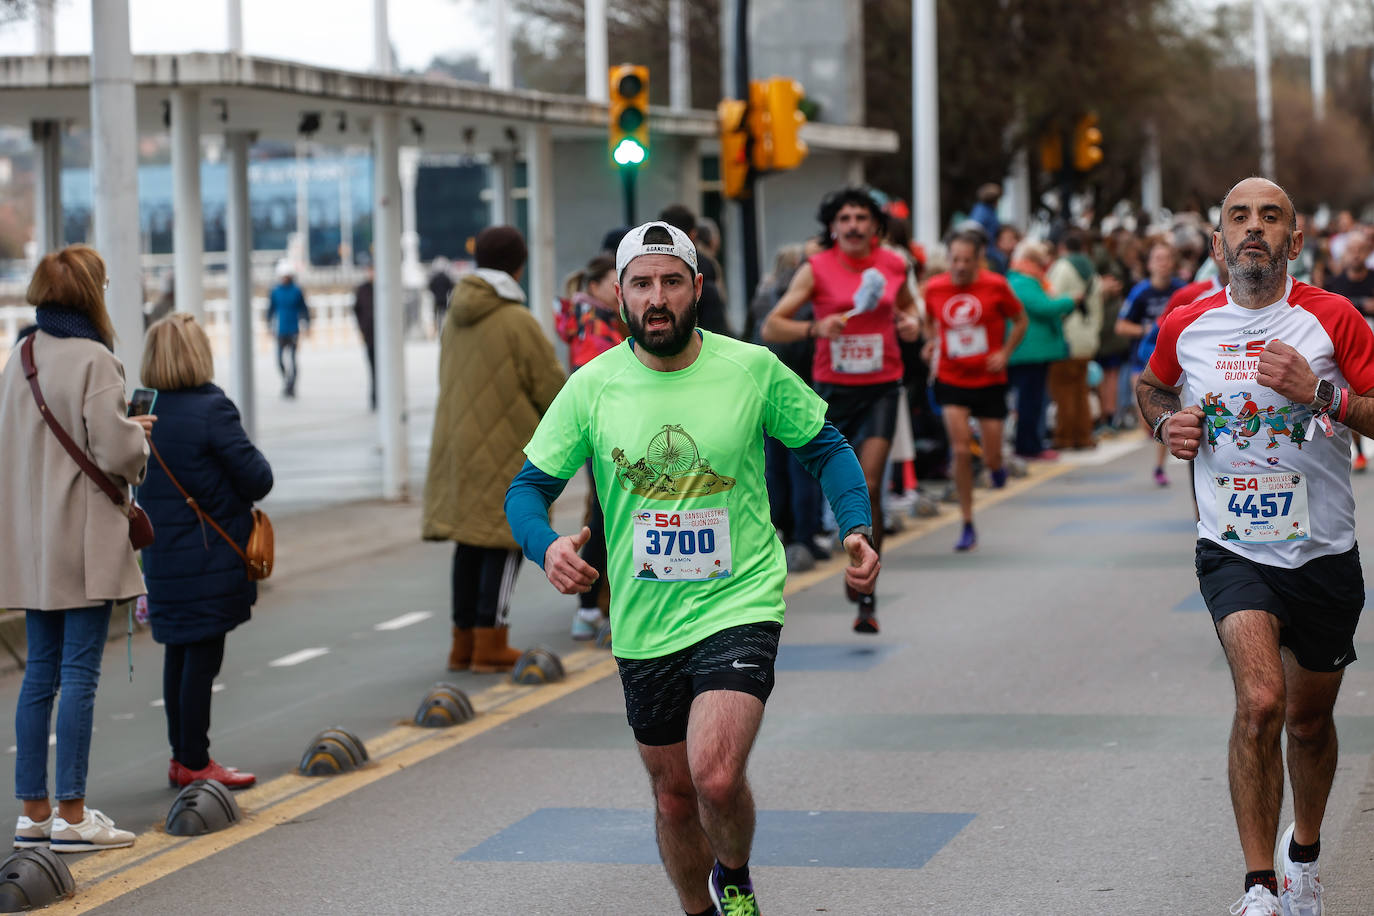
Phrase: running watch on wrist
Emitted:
{"points": [[1325, 394], [865, 530]]}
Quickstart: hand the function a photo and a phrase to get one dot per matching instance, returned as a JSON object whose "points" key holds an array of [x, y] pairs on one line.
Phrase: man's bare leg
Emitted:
{"points": [[720, 735], [1312, 744], [1255, 762], [961, 449], [686, 853]]}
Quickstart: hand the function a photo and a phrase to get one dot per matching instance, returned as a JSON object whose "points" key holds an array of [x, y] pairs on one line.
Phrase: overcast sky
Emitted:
{"points": [[330, 33]]}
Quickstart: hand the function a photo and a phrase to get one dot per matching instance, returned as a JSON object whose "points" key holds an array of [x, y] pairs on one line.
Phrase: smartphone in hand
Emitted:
{"points": [[142, 402]]}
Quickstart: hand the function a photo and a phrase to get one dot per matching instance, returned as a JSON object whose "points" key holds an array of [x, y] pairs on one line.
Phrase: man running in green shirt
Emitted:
{"points": [[674, 421]]}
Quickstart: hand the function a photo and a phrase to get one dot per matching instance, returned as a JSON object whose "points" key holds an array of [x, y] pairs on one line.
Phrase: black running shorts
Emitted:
{"points": [[659, 691], [986, 403], [1318, 604], [862, 412]]}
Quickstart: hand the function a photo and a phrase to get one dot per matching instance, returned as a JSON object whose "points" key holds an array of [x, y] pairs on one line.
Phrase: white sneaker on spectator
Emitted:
{"points": [[1302, 890], [1258, 901], [29, 833], [93, 832]]}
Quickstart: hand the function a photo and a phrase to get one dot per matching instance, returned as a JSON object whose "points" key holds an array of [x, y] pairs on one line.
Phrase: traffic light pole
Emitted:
{"points": [[627, 185], [749, 229]]}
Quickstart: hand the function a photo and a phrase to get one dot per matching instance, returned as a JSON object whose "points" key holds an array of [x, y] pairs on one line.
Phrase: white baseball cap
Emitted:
{"points": [[632, 246]]}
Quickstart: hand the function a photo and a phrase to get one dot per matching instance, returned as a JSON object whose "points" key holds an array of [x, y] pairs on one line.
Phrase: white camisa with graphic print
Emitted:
{"points": [[1272, 480]]}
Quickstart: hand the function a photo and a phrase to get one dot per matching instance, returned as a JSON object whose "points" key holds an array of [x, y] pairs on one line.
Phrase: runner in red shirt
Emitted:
{"points": [[967, 311], [862, 303]]}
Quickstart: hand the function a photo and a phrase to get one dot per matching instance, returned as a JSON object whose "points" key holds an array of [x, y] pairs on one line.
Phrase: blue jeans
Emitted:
{"points": [[1028, 379], [64, 651]]}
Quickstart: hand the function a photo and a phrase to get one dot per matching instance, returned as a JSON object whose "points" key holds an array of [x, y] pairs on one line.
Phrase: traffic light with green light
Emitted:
{"points": [[629, 107], [1087, 143]]}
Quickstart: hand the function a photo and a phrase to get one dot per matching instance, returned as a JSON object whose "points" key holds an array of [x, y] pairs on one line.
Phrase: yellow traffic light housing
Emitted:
{"points": [[629, 115], [1052, 151], [1087, 144], [734, 161], [760, 126], [785, 120]]}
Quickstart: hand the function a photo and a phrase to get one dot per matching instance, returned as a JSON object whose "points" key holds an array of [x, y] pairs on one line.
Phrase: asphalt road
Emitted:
{"points": [[1040, 728]]}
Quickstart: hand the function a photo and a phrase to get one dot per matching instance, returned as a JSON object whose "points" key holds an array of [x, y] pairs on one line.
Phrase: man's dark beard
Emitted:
{"points": [[1251, 273], [664, 344]]}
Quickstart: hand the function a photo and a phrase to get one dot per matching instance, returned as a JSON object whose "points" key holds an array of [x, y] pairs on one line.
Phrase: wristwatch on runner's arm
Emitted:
{"points": [[865, 530], [1325, 394]]}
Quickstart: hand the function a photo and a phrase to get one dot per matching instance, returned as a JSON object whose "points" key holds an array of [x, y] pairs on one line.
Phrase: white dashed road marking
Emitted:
{"points": [[295, 658], [404, 620]]}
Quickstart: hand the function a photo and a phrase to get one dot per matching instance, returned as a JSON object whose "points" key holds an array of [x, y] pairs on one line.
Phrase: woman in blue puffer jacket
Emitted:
{"points": [[198, 587]]}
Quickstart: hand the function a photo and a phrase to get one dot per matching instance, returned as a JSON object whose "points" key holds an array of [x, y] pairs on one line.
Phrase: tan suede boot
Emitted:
{"points": [[460, 656], [490, 654]]}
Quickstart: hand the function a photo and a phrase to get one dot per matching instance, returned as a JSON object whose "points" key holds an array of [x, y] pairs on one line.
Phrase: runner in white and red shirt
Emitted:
{"points": [[1274, 374]]}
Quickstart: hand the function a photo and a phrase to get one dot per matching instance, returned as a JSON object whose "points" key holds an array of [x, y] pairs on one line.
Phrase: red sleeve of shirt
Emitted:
{"points": [[1184, 295], [1349, 332], [1164, 361]]}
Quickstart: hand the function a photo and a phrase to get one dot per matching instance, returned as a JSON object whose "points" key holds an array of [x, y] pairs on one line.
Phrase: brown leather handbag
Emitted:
{"points": [[140, 527], [261, 547]]}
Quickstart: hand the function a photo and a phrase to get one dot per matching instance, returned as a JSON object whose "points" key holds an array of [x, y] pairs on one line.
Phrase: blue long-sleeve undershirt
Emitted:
{"points": [[827, 457]]}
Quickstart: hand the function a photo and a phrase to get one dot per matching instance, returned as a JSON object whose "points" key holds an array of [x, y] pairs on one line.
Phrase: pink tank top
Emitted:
{"points": [[866, 353]]}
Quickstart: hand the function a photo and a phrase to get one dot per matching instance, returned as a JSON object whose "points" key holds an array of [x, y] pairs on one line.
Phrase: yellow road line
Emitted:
{"points": [[108, 876], [164, 861]]}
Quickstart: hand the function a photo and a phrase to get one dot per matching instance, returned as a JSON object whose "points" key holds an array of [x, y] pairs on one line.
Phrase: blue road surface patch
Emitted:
{"points": [[803, 839], [831, 656]]}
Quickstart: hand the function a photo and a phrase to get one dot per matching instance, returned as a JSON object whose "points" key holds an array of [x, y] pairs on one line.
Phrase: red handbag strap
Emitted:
{"points": [[31, 373], [195, 506]]}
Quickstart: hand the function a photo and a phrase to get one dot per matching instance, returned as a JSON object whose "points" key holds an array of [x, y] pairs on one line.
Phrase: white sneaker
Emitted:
{"points": [[586, 626], [1302, 890], [1256, 902], [29, 833], [93, 832]]}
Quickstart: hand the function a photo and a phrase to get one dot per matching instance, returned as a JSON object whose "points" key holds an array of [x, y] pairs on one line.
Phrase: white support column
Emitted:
{"points": [[233, 11], [1015, 206], [381, 39], [679, 62], [598, 66], [539, 169], [1264, 96], [925, 119], [499, 172], [502, 75], [114, 175], [689, 174], [239, 245], [346, 213], [47, 204], [188, 217], [389, 318], [1315, 9], [412, 274], [1151, 179], [45, 28]]}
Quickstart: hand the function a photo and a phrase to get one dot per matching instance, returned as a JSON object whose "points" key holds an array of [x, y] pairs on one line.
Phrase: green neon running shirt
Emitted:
{"points": [[678, 462]]}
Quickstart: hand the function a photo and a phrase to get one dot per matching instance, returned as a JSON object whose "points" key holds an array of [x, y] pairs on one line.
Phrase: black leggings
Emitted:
{"points": [[188, 674], [483, 580], [594, 551]]}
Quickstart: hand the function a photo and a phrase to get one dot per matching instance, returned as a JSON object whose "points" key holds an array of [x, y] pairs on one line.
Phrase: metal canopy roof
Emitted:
{"points": [[269, 97]]}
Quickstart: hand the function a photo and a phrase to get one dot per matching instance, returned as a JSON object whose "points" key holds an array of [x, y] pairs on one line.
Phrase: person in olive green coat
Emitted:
{"points": [[497, 375], [1028, 368]]}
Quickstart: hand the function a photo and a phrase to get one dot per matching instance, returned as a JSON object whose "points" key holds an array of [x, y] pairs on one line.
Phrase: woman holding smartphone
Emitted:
{"points": [[198, 588], [65, 554]]}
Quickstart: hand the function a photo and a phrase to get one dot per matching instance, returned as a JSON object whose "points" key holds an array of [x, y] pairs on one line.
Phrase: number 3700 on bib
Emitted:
{"points": [[682, 546]]}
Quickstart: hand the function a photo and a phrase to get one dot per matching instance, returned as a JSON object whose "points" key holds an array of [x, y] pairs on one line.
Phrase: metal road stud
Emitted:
{"points": [[31, 878], [331, 752], [444, 705], [603, 636], [202, 807], [537, 666]]}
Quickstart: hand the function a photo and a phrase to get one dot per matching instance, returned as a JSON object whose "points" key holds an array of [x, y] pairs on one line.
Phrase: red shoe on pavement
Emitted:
{"points": [[1360, 464], [229, 777]]}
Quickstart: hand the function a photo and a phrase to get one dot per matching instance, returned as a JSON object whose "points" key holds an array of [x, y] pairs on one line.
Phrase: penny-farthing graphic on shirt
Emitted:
{"points": [[672, 468]]}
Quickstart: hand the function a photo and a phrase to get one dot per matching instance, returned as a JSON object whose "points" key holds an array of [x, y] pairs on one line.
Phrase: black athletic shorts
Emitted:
{"points": [[862, 412], [659, 691], [987, 403], [1318, 604]]}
